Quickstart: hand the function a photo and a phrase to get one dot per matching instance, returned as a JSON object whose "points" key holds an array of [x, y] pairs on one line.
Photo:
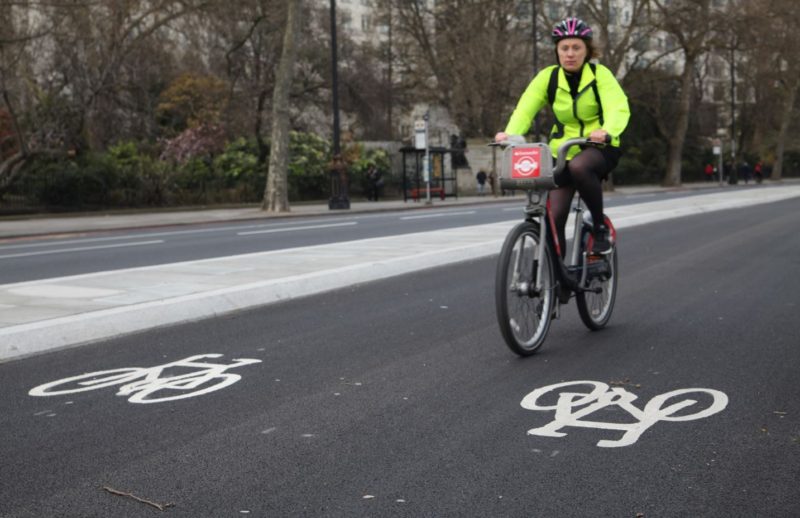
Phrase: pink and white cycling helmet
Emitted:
{"points": [[572, 28]]}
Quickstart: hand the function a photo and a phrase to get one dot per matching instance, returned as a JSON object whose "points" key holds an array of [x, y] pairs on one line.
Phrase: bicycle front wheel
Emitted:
{"points": [[595, 306], [523, 311]]}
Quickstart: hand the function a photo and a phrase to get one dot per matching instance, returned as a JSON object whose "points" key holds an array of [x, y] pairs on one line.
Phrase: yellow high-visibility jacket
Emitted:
{"points": [[576, 117]]}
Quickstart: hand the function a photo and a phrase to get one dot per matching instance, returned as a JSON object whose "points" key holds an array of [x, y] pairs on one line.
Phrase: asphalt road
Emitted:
{"points": [[398, 398], [45, 257]]}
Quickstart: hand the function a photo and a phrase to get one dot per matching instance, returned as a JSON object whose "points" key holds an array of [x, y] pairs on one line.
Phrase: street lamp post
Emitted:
{"points": [[338, 170], [335, 80], [535, 36], [427, 166], [733, 178]]}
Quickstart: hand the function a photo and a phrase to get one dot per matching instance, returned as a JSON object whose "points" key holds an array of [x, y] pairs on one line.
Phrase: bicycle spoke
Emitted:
{"points": [[523, 311]]}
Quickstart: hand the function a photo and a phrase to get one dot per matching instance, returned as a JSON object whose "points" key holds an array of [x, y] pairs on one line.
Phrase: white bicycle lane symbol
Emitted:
{"points": [[147, 385], [601, 396]]}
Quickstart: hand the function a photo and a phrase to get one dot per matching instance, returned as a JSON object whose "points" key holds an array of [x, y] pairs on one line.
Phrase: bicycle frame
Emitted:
{"points": [[539, 207]]}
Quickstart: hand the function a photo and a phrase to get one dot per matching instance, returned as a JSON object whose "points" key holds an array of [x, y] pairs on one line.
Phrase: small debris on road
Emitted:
{"points": [[624, 382], [160, 507]]}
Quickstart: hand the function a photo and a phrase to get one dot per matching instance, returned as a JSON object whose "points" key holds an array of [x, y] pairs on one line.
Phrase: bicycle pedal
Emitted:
{"points": [[600, 255]]}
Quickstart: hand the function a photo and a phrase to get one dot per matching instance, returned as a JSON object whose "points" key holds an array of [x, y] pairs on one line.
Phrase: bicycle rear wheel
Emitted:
{"points": [[523, 312], [595, 308]]}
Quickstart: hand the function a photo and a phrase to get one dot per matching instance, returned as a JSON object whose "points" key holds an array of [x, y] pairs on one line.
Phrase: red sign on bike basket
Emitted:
{"points": [[526, 162]]}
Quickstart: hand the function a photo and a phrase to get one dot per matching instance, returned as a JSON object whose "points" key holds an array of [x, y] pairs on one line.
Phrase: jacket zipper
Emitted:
{"points": [[575, 107]]}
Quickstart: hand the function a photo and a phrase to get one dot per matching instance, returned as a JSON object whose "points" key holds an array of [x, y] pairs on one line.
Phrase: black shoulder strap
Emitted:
{"points": [[552, 86], [597, 93]]}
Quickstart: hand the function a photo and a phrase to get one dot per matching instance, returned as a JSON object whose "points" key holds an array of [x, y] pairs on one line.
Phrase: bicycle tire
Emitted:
{"points": [[113, 377], [595, 308], [523, 316]]}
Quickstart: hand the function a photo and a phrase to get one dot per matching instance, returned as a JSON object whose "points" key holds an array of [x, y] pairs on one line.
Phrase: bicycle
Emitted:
{"points": [[532, 280], [142, 383]]}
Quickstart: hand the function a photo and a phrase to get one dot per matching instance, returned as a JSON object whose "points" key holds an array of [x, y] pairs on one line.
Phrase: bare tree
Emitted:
{"points": [[276, 195], [783, 19], [16, 38], [470, 56], [689, 23], [605, 16], [246, 40], [98, 46]]}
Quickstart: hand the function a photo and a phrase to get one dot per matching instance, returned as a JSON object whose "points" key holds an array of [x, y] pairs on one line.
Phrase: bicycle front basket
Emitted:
{"points": [[527, 166]]}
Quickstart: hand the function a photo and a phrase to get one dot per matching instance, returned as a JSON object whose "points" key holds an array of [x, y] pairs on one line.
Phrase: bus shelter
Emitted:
{"points": [[443, 177]]}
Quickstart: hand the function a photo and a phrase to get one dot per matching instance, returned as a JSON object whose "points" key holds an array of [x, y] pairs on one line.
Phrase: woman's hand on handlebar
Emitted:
{"points": [[500, 137], [600, 136]]}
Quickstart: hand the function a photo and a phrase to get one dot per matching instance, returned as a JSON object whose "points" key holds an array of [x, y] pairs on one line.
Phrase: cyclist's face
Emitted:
{"points": [[571, 53]]}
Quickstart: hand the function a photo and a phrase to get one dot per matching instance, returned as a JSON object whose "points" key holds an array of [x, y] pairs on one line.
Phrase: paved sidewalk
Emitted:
{"points": [[43, 315]]}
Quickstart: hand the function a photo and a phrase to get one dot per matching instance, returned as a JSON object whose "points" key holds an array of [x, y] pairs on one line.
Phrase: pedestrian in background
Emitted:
{"points": [[745, 171], [481, 178], [375, 180], [709, 171], [758, 171]]}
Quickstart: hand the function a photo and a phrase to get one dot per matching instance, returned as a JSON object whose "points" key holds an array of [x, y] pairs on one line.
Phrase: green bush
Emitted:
{"points": [[309, 156], [88, 182], [244, 177], [195, 182], [129, 174], [98, 176], [53, 183]]}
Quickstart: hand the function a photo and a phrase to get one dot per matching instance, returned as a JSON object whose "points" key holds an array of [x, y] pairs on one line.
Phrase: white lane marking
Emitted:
{"points": [[601, 396], [150, 234], [143, 383], [440, 215], [635, 196], [81, 249], [290, 229]]}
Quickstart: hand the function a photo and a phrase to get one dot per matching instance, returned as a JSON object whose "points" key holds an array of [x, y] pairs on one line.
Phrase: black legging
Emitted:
{"points": [[583, 173]]}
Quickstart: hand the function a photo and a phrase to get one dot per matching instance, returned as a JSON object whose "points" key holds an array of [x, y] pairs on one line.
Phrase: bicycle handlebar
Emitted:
{"points": [[563, 149]]}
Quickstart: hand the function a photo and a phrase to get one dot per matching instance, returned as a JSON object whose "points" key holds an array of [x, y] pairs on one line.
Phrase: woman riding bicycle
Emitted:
{"points": [[587, 101]]}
